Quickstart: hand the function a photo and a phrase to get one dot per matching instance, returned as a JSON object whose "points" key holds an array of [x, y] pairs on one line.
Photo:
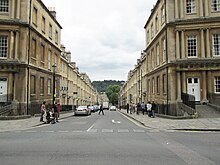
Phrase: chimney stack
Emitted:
{"points": [[52, 11]]}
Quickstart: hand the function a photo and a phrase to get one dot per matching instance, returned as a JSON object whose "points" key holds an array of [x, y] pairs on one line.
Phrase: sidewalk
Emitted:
{"points": [[23, 124], [203, 124]]}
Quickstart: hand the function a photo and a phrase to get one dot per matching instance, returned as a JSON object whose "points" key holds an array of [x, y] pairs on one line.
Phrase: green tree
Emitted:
{"points": [[112, 93]]}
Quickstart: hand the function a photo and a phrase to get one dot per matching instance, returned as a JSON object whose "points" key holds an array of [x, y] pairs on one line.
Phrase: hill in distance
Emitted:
{"points": [[102, 86]]}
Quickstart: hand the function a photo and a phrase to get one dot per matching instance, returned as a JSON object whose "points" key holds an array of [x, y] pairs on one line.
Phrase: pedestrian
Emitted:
{"points": [[138, 108], [58, 109], [43, 111], [55, 110], [131, 108], [149, 106], [153, 109], [101, 110], [127, 108], [142, 107]]}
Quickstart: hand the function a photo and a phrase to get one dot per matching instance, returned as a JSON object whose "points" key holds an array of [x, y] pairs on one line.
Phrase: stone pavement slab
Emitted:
{"points": [[23, 124], [203, 124]]}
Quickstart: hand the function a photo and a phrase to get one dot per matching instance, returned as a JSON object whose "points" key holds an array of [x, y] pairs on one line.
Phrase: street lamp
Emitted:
{"points": [[54, 82]]}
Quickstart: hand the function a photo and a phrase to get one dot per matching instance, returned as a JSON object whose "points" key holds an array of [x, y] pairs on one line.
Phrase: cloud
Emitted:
{"points": [[105, 37]]}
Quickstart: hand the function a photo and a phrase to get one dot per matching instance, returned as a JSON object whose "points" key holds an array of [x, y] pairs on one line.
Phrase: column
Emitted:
{"points": [[204, 87], [176, 9], [202, 44], [182, 8], [12, 9], [183, 45], [178, 87], [177, 45], [206, 8], [18, 9], [16, 44], [12, 45], [184, 81], [208, 55], [201, 8]]}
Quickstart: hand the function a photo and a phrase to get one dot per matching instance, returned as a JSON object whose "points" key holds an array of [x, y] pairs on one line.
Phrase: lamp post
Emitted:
{"points": [[54, 82]]}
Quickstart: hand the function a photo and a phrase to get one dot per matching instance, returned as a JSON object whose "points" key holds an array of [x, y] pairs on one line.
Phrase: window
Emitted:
{"points": [[164, 49], [152, 30], [190, 6], [164, 83], [216, 44], [152, 58], [192, 46], [148, 61], [43, 24], [153, 85], [56, 37], [217, 84], [148, 89], [158, 54], [42, 86], [50, 31], [216, 5], [156, 24], [42, 53], [158, 84], [3, 46], [148, 36], [49, 86], [34, 48], [4, 6], [34, 18], [162, 15], [49, 60], [33, 84]]}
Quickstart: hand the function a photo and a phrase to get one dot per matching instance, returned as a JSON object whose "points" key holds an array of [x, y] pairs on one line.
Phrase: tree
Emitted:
{"points": [[112, 93]]}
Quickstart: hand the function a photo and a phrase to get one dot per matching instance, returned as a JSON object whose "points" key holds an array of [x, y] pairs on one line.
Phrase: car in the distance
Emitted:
{"points": [[82, 110], [113, 108]]}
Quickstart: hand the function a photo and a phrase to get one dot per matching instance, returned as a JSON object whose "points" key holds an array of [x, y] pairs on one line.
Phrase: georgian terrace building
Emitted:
{"points": [[29, 47], [182, 53]]}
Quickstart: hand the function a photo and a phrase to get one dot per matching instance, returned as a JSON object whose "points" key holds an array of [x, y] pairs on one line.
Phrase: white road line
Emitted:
{"points": [[138, 130], [90, 128], [31, 131], [47, 131], [93, 130], [77, 131], [123, 130], [116, 122], [107, 130]]}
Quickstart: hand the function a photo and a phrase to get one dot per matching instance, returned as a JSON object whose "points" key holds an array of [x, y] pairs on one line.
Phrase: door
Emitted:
{"points": [[193, 87], [3, 90]]}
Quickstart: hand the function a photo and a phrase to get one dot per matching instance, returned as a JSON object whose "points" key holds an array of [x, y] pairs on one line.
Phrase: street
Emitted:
{"points": [[109, 139]]}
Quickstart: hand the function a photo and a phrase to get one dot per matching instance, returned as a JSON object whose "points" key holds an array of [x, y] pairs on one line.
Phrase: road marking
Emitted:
{"points": [[107, 130], [47, 131], [123, 130], [78, 131], [90, 128], [116, 122], [93, 130], [138, 130], [31, 131]]}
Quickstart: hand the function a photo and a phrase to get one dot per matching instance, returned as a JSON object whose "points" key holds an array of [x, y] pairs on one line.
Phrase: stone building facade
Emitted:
{"points": [[182, 54], [29, 48]]}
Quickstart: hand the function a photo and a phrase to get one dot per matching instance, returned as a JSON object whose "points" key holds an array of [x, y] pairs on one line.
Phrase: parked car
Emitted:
{"points": [[113, 108], [92, 108], [82, 110]]}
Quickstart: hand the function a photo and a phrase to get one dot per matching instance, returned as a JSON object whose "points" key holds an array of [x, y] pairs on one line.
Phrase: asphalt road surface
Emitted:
{"points": [[111, 139]]}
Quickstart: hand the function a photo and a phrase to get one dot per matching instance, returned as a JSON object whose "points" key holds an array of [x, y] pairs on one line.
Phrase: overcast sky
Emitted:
{"points": [[105, 37]]}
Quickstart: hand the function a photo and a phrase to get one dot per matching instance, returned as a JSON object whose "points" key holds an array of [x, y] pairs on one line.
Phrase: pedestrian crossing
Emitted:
{"points": [[94, 131]]}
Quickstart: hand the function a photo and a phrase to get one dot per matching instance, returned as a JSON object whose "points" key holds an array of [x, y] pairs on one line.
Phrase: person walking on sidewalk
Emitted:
{"points": [[143, 107], [127, 108], [101, 110], [153, 109], [138, 108], [43, 111], [55, 110], [149, 106]]}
